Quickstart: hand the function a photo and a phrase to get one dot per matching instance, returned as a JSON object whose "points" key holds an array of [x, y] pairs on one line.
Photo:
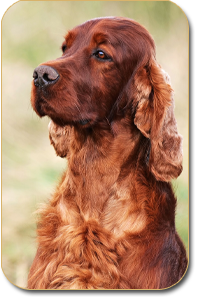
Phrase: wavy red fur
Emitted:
{"points": [[111, 221]]}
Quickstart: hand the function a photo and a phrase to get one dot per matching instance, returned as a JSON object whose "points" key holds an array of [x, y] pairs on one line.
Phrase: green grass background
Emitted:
{"points": [[32, 32]]}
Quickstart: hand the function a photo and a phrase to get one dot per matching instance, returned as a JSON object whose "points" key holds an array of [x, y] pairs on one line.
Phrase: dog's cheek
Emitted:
{"points": [[107, 90]]}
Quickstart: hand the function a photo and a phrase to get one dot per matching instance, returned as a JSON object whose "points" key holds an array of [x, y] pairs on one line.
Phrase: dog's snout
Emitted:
{"points": [[45, 75]]}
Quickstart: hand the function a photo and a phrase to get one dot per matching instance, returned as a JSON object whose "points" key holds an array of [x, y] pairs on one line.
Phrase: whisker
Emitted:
{"points": [[79, 111]]}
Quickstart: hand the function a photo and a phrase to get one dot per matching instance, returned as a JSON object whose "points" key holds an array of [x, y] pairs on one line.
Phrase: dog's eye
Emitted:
{"points": [[101, 55], [64, 47]]}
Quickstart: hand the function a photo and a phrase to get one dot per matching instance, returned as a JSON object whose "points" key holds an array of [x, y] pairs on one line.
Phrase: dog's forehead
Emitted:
{"points": [[117, 32], [93, 26], [107, 24], [98, 30]]}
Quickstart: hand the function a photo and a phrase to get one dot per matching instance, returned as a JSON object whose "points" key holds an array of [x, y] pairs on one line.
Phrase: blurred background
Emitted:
{"points": [[32, 33]]}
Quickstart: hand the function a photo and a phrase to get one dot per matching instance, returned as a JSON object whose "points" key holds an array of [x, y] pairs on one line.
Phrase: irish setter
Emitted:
{"points": [[111, 221]]}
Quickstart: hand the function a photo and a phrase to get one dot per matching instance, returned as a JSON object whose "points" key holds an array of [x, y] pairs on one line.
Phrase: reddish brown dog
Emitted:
{"points": [[111, 222]]}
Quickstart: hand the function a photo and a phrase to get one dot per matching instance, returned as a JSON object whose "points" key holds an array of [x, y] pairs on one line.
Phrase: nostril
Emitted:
{"points": [[44, 75], [35, 75], [47, 77]]}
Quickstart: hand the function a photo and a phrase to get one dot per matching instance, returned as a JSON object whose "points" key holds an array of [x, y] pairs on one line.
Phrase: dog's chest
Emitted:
{"points": [[111, 203], [121, 213], [95, 210]]}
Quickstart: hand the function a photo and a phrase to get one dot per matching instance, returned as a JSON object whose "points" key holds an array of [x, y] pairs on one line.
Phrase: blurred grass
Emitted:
{"points": [[32, 32]]}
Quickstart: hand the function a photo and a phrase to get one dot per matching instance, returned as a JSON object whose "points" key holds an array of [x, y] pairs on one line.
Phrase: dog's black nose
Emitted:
{"points": [[45, 75]]}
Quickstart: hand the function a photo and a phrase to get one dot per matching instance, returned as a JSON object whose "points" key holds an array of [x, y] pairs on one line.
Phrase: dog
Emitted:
{"points": [[111, 221]]}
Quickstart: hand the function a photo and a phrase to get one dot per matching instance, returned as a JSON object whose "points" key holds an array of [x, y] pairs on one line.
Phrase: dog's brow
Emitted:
{"points": [[101, 38], [70, 37]]}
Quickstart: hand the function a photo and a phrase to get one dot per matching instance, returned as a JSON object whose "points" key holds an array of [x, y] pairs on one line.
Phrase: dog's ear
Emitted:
{"points": [[154, 117], [60, 138]]}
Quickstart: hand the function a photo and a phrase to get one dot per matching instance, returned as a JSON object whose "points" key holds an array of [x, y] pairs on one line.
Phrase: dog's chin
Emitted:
{"points": [[86, 123], [42, 108]]}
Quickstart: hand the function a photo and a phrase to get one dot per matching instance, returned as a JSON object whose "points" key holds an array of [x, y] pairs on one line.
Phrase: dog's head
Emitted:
{"points": [[98, 59], [108, 66]]}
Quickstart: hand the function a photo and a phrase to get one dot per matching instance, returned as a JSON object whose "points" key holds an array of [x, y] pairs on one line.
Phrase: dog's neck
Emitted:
{"points": [[99, 163]]}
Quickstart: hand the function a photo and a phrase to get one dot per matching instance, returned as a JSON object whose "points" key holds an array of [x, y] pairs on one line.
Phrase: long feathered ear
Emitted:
{"points": [[154, 117]]}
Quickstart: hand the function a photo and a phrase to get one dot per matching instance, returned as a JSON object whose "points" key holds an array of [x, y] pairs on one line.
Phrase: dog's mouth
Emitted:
{"points": [[42, 108], [80, 123], [45, 108], [87, 123], [84, 122]]}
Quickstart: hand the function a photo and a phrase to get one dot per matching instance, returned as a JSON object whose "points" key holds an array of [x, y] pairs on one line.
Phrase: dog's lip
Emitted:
{"points": [[84, 121], [44, 108]]}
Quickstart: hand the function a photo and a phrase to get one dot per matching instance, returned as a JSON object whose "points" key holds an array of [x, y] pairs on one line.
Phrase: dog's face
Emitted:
{"points": [[82, 86], [108, 71]]}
